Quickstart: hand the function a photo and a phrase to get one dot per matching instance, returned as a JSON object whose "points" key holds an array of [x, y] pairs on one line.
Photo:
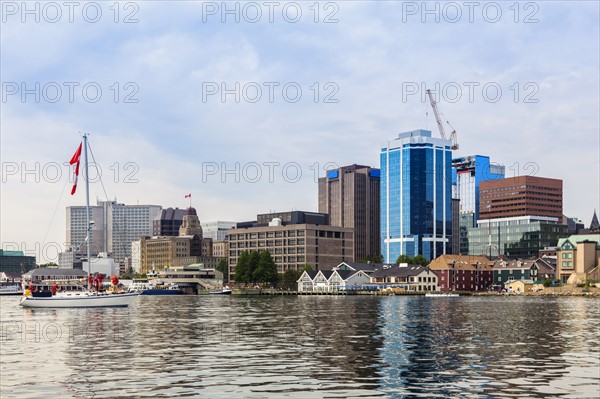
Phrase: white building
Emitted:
{"points": [[332, 280], [216, 230]]}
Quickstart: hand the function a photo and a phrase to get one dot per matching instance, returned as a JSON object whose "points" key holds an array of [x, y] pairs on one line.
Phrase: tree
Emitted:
{"points": [[253, 265], [420, 260], [266, 270], [372, 259], [223, 267], [404, 259], [290, 278], [243, 273], [307, 267]]}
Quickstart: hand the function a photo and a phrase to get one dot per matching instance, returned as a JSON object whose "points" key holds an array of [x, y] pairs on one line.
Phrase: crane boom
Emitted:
{"points": [[437, 114], [438, 119]]}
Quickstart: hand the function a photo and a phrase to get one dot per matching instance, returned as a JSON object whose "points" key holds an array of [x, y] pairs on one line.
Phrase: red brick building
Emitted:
{"points": [[463, 272], [521, 196]]}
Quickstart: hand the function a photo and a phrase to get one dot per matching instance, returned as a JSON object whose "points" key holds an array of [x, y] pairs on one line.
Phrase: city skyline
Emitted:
{"points": [[177, 139]]}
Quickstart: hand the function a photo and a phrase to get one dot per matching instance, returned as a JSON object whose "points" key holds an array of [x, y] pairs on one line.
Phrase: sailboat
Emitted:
{"points": [[85, 298]]}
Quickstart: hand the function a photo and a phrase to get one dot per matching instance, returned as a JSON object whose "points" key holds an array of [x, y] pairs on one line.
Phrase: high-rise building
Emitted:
{"points": [[114, 227], [216, 230], [467, 175], [350, 195], [167, 223], [416, 196], [521, 196]]}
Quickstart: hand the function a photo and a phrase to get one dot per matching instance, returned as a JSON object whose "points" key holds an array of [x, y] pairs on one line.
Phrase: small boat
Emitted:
{"points": [[441, 295], [11, 289], [78, 299], [222, 291], [154, 288]]}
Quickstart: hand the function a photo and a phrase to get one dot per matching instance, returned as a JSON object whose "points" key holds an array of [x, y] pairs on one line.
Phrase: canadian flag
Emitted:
{"points": [[188, 196], [75, 160]]}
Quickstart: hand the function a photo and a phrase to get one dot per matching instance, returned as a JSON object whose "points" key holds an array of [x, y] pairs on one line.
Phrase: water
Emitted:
{"points": [[304, 347]]}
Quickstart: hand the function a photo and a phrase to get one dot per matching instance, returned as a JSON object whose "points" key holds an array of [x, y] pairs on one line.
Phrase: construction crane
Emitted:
{"points": [[438, 119]]}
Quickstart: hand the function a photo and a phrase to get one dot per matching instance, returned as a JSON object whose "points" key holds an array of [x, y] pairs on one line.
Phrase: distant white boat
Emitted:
{"points": [[441, 295], [222, 291], [10, 289]]}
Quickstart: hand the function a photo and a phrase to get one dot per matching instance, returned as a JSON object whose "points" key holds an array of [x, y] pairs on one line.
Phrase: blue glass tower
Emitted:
{"points": [[416, 196], [467, 174]]}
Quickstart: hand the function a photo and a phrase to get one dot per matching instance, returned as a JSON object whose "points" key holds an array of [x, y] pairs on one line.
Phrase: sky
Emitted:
{"points": [[245, 104]]}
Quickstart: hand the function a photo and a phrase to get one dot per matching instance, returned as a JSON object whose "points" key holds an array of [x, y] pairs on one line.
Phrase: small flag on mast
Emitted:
{"points": [[188, 196], [75, 159]]}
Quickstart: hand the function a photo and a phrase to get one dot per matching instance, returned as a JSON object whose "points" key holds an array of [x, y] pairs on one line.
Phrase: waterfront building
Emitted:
{"points": [[467, 175], [45, 274], [578, 258], [416, 196], [514, 237], [350, 195], [463, 272], [527, 269], [331, 280], [521, 196], [136, 254], [409, 277], [167, 222], [217, 231], [15, 262], [294, 239], [115, 227]]}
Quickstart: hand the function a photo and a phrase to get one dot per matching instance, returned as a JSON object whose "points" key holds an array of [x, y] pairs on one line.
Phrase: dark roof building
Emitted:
{"points": [[167, 223]]}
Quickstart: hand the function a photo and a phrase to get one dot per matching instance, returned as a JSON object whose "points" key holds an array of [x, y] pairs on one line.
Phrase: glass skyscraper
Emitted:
{"points": [[467, 175], [416, 196]]}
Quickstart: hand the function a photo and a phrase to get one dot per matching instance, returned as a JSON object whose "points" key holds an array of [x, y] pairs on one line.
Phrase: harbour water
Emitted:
{"points": [[304, 347]]}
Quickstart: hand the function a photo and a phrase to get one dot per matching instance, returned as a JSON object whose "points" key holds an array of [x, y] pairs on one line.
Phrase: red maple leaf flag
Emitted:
{"points": [[75, 159], [188, 196]]}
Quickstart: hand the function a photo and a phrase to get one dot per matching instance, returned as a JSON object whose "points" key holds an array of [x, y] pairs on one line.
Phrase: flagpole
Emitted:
{"points": [[87, 205]]}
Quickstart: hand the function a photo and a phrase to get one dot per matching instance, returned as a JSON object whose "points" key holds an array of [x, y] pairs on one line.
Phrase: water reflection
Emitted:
{"points": [[239, 347]]}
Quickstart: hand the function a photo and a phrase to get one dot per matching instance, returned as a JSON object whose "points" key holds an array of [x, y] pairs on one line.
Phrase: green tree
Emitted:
{"points": [[404, 259], [266, 270], [253, 265], [420, 260], [290, 278], [223, 267], [243, 273], [307, 267]]}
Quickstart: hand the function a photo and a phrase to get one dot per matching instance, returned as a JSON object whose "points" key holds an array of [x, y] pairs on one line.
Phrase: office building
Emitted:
{"points": [[467, 175], [416, 196], [293, 243], [521, 196], [514, 237], [350, 195], [217, 231]]}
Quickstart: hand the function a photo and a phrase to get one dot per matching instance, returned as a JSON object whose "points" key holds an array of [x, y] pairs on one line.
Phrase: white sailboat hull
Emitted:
{"points": [[80, 301]]}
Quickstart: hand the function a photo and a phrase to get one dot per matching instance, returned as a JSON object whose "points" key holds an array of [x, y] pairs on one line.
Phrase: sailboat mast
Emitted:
{"points": [[87, 204]]}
